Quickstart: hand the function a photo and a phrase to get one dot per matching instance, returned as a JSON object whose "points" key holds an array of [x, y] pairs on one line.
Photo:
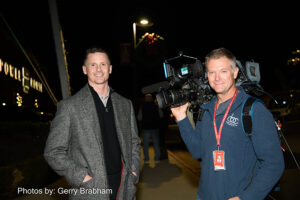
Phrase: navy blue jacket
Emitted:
{"points": [[252, 168]]}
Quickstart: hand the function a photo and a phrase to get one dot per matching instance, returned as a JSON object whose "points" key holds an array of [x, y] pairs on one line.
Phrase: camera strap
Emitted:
{"points": [[200, 114]]}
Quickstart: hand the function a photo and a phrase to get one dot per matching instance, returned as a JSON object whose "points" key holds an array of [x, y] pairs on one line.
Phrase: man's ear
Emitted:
{"points": [[110, 69], [84, 69], [236, 72]]}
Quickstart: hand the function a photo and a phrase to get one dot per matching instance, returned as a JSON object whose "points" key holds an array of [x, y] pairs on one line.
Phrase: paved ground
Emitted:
{"points": [[176, 178]]}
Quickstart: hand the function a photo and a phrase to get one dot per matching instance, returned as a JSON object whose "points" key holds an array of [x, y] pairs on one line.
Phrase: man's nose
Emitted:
{"points": [[98, 68], [217, 76]]}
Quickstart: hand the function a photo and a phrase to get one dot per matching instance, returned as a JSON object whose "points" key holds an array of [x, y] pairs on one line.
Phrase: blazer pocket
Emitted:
{"points": [[88, 184], [133, 178]]}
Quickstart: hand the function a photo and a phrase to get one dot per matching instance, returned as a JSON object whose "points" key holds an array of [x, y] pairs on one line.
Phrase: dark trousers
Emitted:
{"points": [[114, 181]]}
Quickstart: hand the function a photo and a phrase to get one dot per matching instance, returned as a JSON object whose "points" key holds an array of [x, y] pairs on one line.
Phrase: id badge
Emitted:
{"points": [[219, 160]]}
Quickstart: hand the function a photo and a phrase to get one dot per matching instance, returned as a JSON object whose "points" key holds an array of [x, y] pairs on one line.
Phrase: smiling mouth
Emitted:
{"points": [[98, 75], [218, 83]]}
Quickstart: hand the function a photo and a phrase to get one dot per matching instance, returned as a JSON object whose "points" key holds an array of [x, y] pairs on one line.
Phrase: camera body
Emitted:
{"points": [[188, 82]]}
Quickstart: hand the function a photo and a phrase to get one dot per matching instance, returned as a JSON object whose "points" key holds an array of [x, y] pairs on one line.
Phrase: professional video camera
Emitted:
{"points": [[187, 82]]}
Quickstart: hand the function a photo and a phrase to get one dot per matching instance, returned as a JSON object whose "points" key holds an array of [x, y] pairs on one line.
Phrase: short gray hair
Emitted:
{"points": [[221, 52]]}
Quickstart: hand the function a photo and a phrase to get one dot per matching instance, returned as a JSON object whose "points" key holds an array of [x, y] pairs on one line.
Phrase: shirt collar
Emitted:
{"points": [[106, 97]]}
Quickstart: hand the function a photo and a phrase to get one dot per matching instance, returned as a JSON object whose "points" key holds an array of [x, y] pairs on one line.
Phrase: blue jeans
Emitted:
{"points": [[147, 134], [198, 198]]}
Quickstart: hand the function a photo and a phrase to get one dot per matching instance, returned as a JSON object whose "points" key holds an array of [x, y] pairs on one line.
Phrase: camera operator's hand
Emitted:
{"points": [[180, 112]]}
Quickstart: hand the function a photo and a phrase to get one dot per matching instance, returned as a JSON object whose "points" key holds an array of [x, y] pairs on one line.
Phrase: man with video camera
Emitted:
{"points": [[233, 166]]}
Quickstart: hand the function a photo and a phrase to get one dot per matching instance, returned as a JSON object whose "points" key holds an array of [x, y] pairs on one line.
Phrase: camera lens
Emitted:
{"points": [[162, 99], [171, 98]]}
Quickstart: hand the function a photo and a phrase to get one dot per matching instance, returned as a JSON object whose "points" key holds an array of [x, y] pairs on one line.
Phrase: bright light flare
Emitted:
{"points": [[144, 22]]}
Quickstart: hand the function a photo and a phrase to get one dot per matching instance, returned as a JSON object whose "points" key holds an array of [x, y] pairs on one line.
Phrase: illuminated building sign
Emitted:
{"points": [[21, 75]]}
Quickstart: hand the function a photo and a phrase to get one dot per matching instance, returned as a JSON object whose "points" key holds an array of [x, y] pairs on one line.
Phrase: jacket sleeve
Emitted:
{"points": [[57, 146], [267, 148], [136, 144], [190, 137]]}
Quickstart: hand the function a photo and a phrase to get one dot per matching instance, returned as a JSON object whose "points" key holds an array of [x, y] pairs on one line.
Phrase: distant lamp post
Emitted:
{"points": [[141, 23]]}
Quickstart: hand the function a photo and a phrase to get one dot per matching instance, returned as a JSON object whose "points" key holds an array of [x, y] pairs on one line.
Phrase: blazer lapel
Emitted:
{"points": [[89, 113], [118, 113]]}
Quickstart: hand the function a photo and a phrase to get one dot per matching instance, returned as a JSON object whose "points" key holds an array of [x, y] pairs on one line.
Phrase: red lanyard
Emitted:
{"points": [[218, 134]]}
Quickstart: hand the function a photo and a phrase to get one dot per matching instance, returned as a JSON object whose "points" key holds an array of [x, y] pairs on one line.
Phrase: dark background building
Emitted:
{"points": [[263, 33]]}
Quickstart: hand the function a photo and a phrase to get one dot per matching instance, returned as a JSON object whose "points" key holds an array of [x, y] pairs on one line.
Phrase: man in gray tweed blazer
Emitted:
{"points": [[93, 140]]}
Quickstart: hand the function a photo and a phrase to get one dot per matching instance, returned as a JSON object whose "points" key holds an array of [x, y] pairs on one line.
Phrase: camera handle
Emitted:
{"points": [[181, 55]]}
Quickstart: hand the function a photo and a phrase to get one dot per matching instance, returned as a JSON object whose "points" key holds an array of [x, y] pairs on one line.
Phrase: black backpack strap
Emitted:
{"points": [[246, 116], [247, 125]]}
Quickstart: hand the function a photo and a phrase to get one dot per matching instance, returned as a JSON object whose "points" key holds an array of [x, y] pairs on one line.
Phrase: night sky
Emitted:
{"points": [[266, 34]]}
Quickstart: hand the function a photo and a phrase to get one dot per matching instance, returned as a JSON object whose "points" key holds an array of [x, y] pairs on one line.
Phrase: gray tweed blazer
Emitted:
{"points": [[74, 146]]}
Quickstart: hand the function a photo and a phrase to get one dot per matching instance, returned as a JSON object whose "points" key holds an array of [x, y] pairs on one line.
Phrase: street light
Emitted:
{"points": [[142, 23]]}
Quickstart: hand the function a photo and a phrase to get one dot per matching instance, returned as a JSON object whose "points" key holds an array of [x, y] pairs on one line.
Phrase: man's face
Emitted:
{"points": [[221, 77], [97, 67]]}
